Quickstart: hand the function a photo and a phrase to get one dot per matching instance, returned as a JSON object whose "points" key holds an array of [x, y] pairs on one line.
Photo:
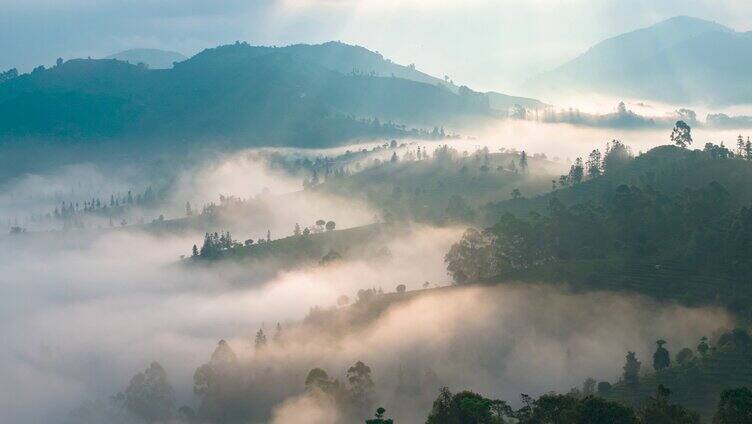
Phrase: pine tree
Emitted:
{"points": [[260, 340]]}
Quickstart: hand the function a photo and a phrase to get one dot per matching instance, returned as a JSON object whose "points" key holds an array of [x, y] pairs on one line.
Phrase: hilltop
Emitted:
{"points": [[153, 58]]}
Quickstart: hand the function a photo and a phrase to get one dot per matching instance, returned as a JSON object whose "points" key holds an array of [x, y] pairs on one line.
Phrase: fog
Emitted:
{"points": [[83, 311]]}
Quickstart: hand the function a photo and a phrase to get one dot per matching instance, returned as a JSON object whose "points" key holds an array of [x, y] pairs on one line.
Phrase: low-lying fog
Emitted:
{"points": [[81, 312]]}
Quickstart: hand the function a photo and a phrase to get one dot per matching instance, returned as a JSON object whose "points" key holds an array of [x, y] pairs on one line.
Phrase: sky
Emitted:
{"points": [[488, 45]]}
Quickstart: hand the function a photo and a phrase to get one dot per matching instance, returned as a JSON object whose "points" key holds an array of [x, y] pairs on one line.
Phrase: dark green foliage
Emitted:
{"points": [[661, 357], [569, 409], [697, 381], [459, 210], [380, 418], [150, 396], [470, 259], [631, 375], [687, 243], [595, 410], [658, 410], [735, 407], [467, 408]]}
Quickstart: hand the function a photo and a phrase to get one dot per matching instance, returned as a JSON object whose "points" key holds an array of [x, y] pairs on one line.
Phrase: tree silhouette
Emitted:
{"points": [[632, 370], [661, 357], [681, 135]]}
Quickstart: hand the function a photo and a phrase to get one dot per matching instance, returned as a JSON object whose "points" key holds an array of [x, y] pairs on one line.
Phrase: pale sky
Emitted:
{"points": [[484, 44]]}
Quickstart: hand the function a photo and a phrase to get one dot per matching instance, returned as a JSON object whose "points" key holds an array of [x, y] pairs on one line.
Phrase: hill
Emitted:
{"points": [[682, 59], [673, 224], [248, 95], [153, 58]]}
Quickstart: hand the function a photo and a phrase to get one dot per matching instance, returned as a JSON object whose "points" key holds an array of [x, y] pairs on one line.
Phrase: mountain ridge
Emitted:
{"points": [[667, 61]]}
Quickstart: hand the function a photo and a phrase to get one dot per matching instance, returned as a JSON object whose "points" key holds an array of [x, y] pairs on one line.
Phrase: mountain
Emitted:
{"points": [[153, 58], [502, 102], [682, 60], [239, 93]]}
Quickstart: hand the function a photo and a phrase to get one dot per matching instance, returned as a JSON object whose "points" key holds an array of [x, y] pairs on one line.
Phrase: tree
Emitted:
{"points": [[59, 61], [703, 346], [593, 164], [685, 356], [219, 387], [576, 172], [394, 158], [658, 410], [632, 370], [523, 162], [588, 387], [467, 408], [516, 194], [616, 157], [681, 135], [317, 379], [361, 385], [194, 253], [268, 235], [330, 226], [470, 259], [595, 410], [661, 357], [296, 230], [734, 407], [740, 146], [401, 288], [150, 396], [260, 339], [8, 75], [380, 418]]}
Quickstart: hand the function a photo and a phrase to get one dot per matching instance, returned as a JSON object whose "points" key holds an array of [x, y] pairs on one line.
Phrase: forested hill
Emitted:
{"points": [[251, 95], [672, 223], [668, 169]]}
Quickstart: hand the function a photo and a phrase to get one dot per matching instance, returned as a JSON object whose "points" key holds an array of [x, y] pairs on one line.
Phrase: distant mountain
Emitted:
{"points": [[153, 58], [682, 59], [240, 93]]}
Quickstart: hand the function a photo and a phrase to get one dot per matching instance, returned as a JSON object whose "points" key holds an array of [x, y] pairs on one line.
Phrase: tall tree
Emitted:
{"points": [[631, 370], [681, 135], [593, 164], [523, 162], [661, 357], [150, 396]]}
